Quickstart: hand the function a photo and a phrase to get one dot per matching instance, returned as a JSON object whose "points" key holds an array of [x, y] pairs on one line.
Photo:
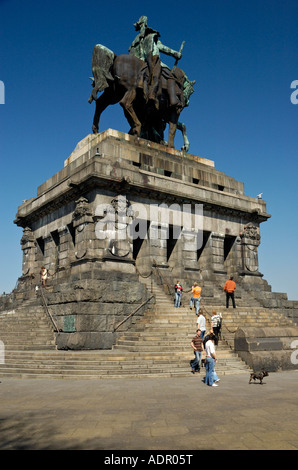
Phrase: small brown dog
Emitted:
{"points": [[258, 376]]}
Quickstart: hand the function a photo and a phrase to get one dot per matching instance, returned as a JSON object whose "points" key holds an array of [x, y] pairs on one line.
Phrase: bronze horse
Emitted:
{"points": [[123, 80]]}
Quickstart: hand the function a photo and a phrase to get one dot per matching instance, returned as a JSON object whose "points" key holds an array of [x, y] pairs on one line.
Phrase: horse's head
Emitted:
{"points": [[188, 89], [102, 60]]}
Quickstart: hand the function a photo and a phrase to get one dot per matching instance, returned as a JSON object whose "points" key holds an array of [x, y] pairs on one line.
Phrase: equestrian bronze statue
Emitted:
{"points": [[151, 94]]}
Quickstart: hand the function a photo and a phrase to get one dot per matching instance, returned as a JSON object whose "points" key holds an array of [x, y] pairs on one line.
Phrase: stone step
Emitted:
{"points": [[140, 374], [183, 314], [31, 331], [117, 354], [29, 347], [150, 369], [153, 348], [157, 344], [64, 364], [224, 361]]}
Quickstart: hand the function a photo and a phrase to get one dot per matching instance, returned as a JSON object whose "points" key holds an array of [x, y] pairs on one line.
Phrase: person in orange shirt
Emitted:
{"points": [[229, 288], [196, 296]]}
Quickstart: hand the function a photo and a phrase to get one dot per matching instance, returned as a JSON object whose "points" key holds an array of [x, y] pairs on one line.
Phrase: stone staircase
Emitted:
{"points": [[246, 316], [170, 330], [157, 345], [270, 331], [26, 328]]}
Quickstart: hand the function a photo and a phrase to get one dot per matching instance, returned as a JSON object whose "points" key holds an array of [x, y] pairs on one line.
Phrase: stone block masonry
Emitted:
{"points": [[80, 226], [271, 349]]}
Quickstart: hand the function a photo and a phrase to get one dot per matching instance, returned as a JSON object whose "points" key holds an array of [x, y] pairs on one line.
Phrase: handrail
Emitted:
{"points": [[202, 306], [162, 279], [133, 313], [164, 282], [48, 312]]}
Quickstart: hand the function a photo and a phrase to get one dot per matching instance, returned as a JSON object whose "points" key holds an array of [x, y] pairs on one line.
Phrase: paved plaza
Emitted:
{"points": [[151, 414]]}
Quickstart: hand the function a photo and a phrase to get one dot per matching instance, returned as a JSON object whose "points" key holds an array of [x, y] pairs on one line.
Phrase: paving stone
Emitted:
{"points": [[161, 414]]}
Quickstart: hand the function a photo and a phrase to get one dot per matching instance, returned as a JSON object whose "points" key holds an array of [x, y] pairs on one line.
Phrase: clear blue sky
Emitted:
{"points": [[243, 55]]}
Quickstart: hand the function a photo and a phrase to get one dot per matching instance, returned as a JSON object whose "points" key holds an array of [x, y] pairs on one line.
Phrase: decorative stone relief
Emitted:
{"points": [[28, 246], [250, 241], [27, 237], [121, 217], [82, 212], [82, 218]]}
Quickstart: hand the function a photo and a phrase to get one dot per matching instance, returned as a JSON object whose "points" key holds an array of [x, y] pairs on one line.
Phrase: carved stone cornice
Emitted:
{"points": [[129, 179]]}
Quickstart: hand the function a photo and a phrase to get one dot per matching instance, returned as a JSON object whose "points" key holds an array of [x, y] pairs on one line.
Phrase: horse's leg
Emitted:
{"points": [[181, 127], [100, 105], [172, 127], [130, 121], [172, 132], [127, 105]]}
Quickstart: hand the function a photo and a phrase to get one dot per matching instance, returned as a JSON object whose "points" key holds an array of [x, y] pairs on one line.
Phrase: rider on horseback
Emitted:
{"points": [[138, 79], [147, 47]]}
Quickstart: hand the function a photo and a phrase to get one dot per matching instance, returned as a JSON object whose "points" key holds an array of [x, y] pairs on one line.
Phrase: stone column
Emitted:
{"points": [[189, 242], [217, 253], [158, 234], [64, 248], [50, 254]]}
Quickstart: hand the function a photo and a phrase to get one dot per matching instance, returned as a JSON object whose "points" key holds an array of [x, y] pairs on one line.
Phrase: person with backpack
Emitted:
{"points": [[201, 323]]}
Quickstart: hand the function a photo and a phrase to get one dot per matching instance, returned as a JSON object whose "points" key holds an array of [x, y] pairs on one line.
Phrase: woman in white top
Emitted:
{"points": [[210, 360], [201, 323]]}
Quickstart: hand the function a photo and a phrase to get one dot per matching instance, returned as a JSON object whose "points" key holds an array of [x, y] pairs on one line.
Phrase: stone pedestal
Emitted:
{"points": [[120, 206]]}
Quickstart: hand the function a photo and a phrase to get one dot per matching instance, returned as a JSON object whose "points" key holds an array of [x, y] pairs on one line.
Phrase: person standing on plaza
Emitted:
{"points": [[201, 323], [229, 288], [210, 361], [196, 296], [198, 347], [178, 294], [206, 338]]}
